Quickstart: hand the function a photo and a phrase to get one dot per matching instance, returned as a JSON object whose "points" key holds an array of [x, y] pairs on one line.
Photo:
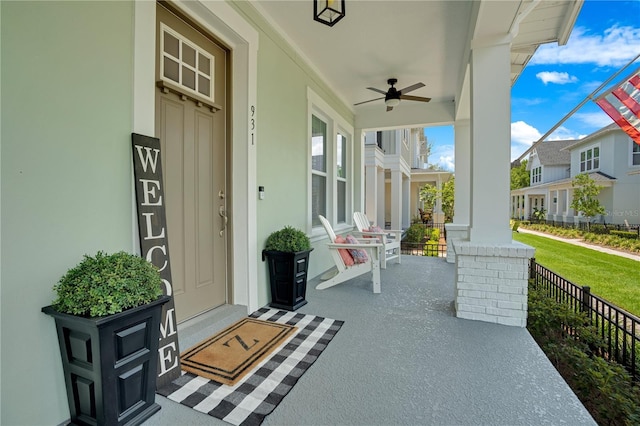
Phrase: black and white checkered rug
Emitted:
{"points": [[250, 400]]}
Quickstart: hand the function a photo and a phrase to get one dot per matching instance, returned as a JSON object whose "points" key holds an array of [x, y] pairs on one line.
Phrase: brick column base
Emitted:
{"points": [[455, 232], [491, 282]]}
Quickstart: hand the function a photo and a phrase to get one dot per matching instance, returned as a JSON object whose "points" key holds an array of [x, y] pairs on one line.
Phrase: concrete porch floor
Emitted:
{"points": [[403, 358]]}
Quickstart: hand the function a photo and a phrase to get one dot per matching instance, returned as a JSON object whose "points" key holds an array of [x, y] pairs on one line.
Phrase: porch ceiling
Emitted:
{"points": [[414, 41]]}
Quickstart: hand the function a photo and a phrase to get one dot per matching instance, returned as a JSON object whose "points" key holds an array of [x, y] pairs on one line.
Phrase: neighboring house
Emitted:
{"points": [[243, 95], [610, 158], [395, 171]]}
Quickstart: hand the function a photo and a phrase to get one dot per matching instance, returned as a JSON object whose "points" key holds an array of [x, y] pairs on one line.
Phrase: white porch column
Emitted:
{"points": [[491, 269], [371, 196], [490, 143], [526, 211], [406, 202], [396, 199], [459, 229], [381, 194]]}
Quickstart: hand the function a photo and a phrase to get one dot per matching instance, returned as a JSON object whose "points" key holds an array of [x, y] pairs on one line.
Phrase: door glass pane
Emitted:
{"points": [[188, 78], [171, 69], [204, 64], [171, 45], [204, 85], [318, 198], [188, 55], [318, 144]]}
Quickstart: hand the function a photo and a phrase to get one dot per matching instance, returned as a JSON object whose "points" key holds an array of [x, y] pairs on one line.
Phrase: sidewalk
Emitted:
{"points": [[579, 242]]}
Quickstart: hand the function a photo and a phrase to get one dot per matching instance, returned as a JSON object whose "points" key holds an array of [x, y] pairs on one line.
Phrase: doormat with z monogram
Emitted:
{"points": [[294, 341]]}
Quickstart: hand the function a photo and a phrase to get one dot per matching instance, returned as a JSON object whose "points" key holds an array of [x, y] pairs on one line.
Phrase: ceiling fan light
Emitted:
{"points": [[392, 102]]}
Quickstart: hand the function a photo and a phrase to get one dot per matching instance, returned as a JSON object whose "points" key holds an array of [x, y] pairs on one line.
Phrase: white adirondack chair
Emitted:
{"points": [[390, 239], [345, 272]]}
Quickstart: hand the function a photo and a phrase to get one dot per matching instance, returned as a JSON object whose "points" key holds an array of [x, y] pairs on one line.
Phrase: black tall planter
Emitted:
{"points": [[110, 364], [288, 278]]}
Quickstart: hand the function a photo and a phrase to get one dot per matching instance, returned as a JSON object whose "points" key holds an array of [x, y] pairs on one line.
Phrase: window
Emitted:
{"points": [[331, 167], [590, 159], [536, 175], [635, 154], [185, 64], [341, 175], [318, 169]]}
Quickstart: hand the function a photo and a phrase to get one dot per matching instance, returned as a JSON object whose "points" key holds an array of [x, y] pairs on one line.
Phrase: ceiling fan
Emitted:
{"points": [[393, 96]]}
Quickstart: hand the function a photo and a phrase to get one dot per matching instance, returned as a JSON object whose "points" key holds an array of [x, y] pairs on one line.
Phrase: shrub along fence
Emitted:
{"points": [[424, 240], [619, 329]]}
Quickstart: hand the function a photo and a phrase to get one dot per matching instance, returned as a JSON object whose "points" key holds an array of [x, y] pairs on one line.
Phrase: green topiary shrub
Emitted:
{"points": [[288, 239], [107, 284]]}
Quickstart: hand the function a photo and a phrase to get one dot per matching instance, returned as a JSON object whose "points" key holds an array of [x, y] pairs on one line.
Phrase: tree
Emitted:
{"points": [[520, 176], [429, 195], [447, 194], [585, 195]]}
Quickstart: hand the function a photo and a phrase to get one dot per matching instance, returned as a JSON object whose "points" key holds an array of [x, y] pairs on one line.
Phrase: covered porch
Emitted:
{"points": [[402, 357]]}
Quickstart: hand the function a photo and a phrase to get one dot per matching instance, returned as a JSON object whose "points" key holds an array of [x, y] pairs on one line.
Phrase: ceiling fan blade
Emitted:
{"points": [[414, 98], [389, 108], [411, 88], [370, 100], [377, 90]]}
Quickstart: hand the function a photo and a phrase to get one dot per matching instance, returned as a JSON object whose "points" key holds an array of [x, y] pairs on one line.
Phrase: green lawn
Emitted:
{"points": [[614, 278]]}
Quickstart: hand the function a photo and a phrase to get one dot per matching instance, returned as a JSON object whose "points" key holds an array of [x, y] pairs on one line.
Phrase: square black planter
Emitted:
{"points": [[110, 364], [288, 278]]}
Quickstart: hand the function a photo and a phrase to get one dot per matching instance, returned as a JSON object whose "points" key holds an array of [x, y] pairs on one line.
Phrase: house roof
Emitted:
{"points": [[552, 153], [610, 128]]}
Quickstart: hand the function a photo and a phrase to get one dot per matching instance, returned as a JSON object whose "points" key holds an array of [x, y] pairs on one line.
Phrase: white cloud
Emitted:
{"points": [[524, 134], [595, 119], [556, 77], [445, 155], [562, 133], [615, 47]]}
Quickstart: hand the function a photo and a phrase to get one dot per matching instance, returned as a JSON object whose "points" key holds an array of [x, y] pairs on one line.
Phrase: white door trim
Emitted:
{"points": [[226, 24]]}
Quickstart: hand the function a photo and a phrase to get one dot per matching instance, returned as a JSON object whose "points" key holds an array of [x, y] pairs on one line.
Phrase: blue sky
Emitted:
{"points": [[606, 37]]}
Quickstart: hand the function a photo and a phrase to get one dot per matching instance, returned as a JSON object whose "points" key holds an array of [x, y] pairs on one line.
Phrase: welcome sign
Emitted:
{"points": [[154, 245]]}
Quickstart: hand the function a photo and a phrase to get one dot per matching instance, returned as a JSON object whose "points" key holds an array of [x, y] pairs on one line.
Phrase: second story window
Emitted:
{"points": [[536, 175], [590, 159]]}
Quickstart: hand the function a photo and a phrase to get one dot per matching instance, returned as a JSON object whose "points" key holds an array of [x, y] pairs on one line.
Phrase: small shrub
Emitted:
{"points": [[625, 234], [435, 234], [599, 229], [605, 388], [107, 284], [415, 233], [288, 239]]}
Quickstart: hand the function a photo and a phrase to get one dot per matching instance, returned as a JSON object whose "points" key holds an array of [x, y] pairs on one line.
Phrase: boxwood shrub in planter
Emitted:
{"points": [[287, 252], [107, 315]]}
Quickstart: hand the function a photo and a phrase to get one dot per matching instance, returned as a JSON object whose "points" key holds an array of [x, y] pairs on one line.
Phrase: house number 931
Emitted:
{"points": [[252, 123]]}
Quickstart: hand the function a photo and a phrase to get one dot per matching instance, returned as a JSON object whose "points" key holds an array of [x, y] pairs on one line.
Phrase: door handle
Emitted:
{"points": [[223, 215]]}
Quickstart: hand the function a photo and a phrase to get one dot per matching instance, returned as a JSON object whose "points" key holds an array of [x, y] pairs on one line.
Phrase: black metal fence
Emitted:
{"points": [[426, 248], [619, 329], [430, 248]]}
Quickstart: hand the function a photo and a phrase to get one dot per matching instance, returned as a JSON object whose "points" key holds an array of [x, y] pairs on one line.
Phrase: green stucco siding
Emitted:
{"points": [[65, 176]]}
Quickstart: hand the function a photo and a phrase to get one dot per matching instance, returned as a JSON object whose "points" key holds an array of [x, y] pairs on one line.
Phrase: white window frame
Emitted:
{"points": [[593, 159], [335, 124], [199, 51], [536, 175], [634, 153]]}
